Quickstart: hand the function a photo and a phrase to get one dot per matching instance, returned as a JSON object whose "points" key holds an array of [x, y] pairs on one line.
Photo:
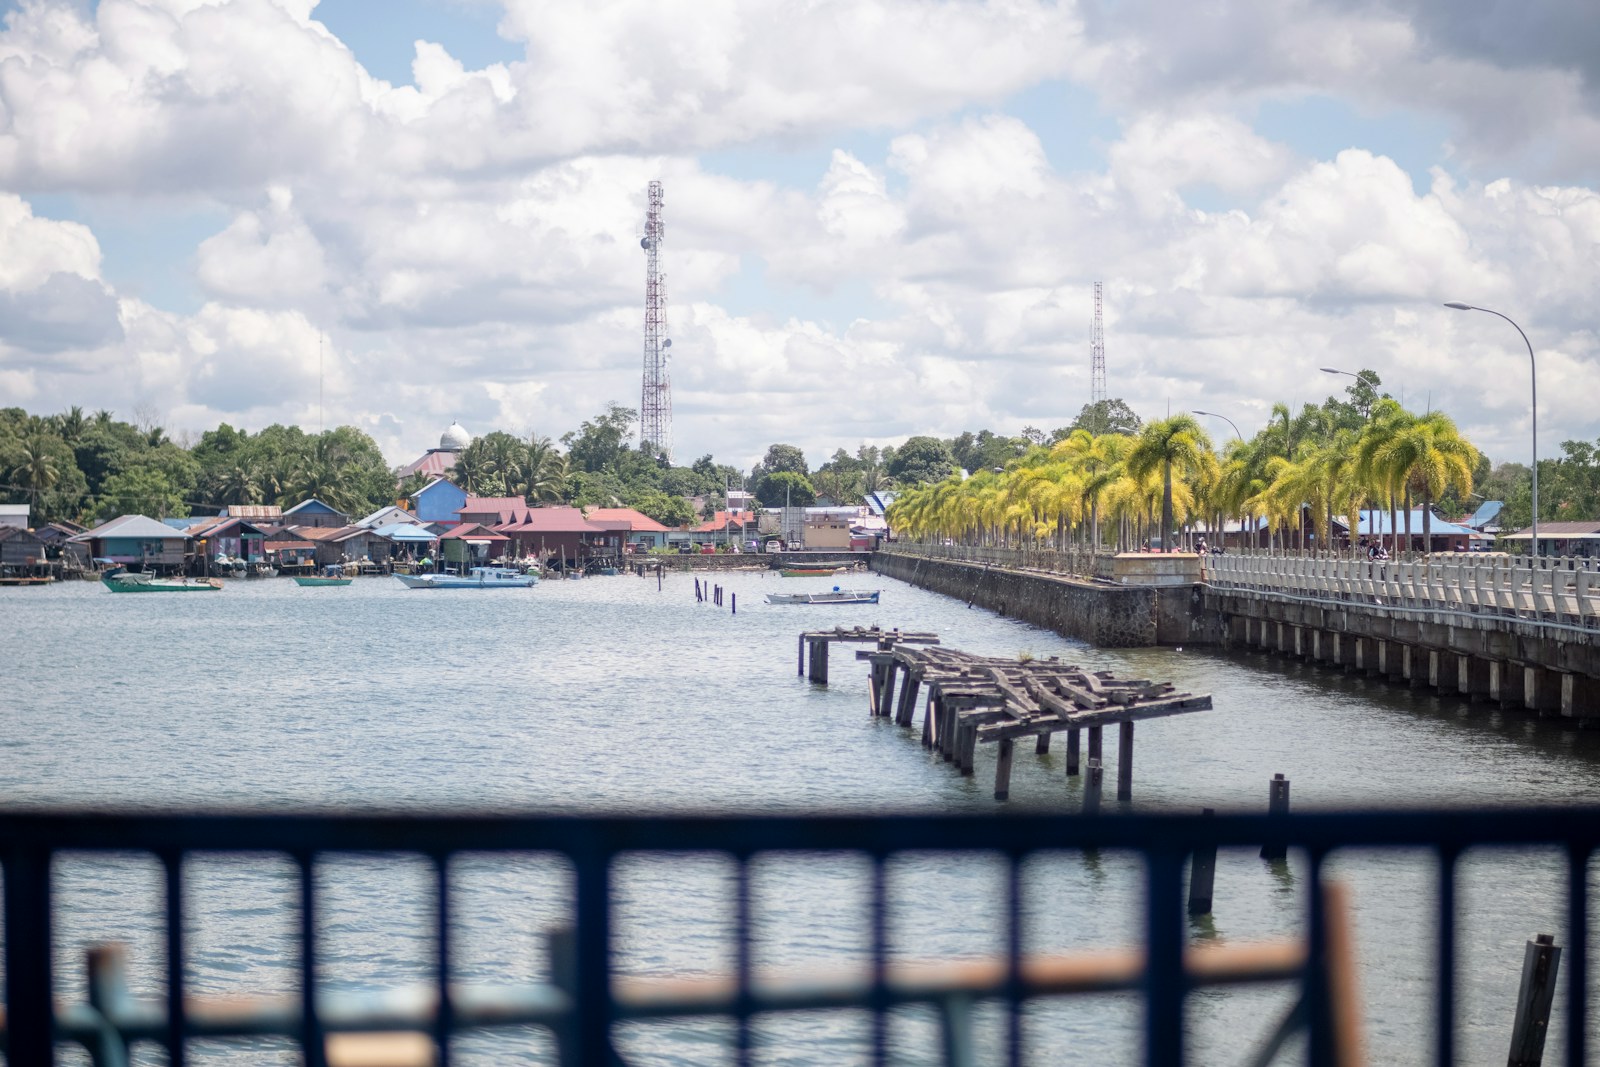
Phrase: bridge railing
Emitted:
{"points": [[1075, 562], [1559, 592], [584, 1000]]}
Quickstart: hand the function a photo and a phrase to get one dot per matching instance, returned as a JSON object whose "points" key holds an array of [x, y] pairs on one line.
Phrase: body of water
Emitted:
{"points": [[608, 694]]}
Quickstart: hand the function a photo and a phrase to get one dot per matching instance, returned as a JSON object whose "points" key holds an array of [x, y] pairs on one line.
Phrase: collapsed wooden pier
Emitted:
{"points": [[974, 700]]}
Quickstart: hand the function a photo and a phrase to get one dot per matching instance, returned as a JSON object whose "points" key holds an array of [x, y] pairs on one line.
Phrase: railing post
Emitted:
{"points": [[30, 1014]]}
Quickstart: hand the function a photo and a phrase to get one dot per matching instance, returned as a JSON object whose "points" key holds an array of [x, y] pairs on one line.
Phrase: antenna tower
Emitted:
{"points": [[655, 406], [1097, 353]]}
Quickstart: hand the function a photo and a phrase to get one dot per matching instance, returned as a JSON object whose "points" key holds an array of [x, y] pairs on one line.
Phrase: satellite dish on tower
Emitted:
{"points": [[667, 343], [644, 243]]}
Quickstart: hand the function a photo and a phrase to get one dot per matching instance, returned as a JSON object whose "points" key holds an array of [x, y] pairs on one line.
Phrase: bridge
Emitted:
{"points": [[1517, 631]]}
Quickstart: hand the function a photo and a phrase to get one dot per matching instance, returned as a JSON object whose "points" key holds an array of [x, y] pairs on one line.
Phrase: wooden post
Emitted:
{"points": [[1002, 770], [909, 690], [930, 716], [1091, 787], [1072, 751], [967, 740], [819, 660], [1277, 804], [735, 601], [1202, 874], [886, 693], [1094, 743], [1125, 761], [800, 654], [1540, 961], [1043, 744]]}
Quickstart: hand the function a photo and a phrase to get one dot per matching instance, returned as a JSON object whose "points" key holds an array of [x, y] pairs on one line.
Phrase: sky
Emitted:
{"points": [[882, 217]]}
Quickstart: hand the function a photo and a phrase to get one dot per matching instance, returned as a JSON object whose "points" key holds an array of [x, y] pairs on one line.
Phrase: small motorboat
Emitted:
{"points": [[476, 578], [333, 574], [811, 572], [835, 596], [123, 581]]}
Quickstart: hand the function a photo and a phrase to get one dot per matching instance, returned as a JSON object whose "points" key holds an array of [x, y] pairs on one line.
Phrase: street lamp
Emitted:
{"points": [[1224, 418], [1335, 370], [1533, 379]]}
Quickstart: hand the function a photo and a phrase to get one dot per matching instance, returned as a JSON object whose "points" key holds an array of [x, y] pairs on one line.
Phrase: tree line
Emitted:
{"points": [[1126, 486]]}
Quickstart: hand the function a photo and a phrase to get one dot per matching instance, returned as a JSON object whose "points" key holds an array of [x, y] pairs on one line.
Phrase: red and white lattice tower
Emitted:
{"points": [[655, 406], [1097, 353]]}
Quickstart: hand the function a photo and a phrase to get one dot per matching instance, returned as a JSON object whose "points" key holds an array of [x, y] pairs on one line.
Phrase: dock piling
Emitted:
{"points": [[1202, 875], [1072, 752], [1002, 770], [1091, 787], [1540, 961], [1277, 804], [1125, 761]]}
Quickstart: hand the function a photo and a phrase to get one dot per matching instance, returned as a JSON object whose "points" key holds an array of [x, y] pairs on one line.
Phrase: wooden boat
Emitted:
{"points": [[810, 572], [836, 596], [331, 575], [476, 578], [120, 581]]}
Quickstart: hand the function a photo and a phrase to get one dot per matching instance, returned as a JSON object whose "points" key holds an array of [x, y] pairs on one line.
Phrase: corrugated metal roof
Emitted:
{"points": [[406, 531], [473, 531], [133, 526], [433, 463], [1562, 529], [638, 521], [275, 546], [255, 512], [1378, 522], [552, 520]]}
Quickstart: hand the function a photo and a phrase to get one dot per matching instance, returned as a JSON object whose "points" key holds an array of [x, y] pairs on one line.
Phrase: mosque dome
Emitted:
{"points": [[455, 438]]}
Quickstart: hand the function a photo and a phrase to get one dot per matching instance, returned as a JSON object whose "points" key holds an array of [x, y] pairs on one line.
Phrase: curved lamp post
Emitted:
{"points": [[1533, 378], [1224, 418], [1335, 370]]}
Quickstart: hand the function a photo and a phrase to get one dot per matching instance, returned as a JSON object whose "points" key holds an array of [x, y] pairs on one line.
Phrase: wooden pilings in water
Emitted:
{"points": [[817, 641], [1540, 961], [1277, 804], [972, 700]]}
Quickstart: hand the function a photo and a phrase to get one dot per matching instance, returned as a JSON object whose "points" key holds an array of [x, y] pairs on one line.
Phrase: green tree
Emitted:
{"points": [[665, 508], [142, 490], [596, 444], [781, 458], [1103, 417], [785, 487], [921, 460]]}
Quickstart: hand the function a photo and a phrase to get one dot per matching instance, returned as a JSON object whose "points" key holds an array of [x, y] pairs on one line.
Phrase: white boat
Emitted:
{"points": [[837, 596], [476, 578]]}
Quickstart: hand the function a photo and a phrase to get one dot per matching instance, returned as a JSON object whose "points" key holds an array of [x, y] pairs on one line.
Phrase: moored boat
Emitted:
{"points": [[476, 578], [836, 596], [331, 575], [810, 572], [121, 581]]}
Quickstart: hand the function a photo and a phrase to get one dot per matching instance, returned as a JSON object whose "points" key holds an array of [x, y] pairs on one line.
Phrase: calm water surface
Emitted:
{"points": [[608, 695]]}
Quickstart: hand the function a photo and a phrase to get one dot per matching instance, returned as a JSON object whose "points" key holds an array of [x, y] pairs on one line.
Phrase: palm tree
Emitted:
{"points": [[1429, 456], [1175, 442], [1373, 465], [544, 470], [71, 425], [36, 469]]}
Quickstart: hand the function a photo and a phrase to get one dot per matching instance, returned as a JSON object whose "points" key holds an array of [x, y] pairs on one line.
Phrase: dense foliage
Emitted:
{"points": [[1143, 482]]}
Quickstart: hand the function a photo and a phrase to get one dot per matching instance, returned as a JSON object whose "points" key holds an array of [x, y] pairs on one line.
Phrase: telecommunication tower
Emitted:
{"points": [[1097, 353], [655, 406]]}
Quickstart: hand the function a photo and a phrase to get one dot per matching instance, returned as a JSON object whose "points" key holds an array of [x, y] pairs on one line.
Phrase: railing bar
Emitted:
{"points": [[311, 1038], [444, 1018], [177, 1022], [880, 965], [1577, 962], [1164, 980], [1319, 1016], [30, 1015], [1445, 1020], [741, 960], [1014, 961], [592, 1012]]}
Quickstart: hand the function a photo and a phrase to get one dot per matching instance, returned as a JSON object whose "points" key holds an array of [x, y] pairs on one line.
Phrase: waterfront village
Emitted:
{"points": [[438, 527]]}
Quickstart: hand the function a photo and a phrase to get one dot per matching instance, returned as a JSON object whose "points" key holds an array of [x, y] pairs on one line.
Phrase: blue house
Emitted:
{"points": [[314, 512], [441, 500]]}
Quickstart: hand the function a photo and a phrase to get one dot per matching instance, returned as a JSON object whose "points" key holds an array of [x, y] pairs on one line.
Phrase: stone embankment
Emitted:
{"points": [[1102, 613]]}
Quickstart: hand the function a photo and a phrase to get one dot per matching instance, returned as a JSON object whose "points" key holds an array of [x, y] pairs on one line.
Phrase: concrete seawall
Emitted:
{"points": [[1110, 616]]}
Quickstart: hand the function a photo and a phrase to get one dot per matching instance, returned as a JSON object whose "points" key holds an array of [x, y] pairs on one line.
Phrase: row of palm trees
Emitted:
{"points": [[1129, 489]]}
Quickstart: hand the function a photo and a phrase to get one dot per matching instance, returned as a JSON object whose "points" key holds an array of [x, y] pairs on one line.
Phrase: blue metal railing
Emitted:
{"points": [[581, 1004]]}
